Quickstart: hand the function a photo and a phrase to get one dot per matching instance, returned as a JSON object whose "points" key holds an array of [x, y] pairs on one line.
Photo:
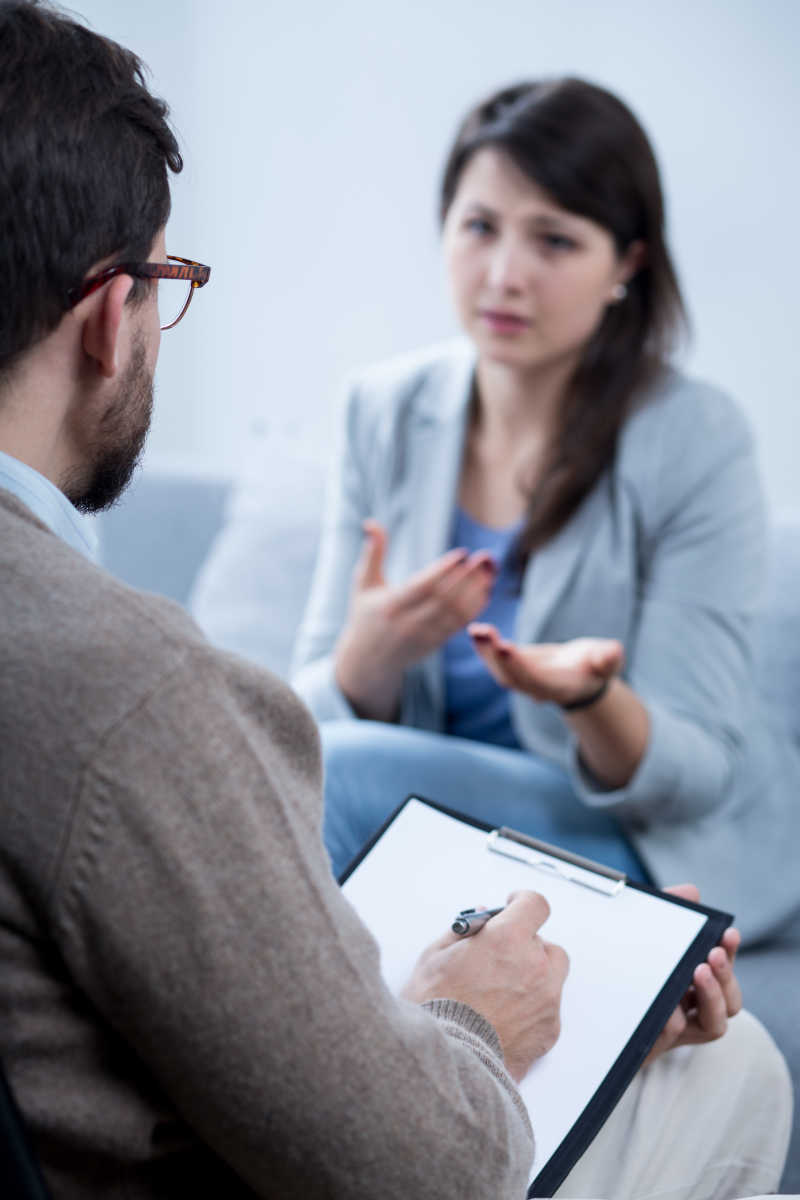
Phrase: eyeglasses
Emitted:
{"points": [[178, 280]]}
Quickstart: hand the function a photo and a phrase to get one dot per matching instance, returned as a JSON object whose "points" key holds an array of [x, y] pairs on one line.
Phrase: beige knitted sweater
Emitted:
{"points": [[188, 1006]]}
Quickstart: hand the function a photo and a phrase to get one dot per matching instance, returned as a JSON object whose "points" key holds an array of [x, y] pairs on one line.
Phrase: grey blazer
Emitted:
{"points": [[666, 554]]}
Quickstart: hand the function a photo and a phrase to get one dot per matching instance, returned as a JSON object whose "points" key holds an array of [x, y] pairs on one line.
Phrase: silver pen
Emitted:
{"points": [[470, 920]]}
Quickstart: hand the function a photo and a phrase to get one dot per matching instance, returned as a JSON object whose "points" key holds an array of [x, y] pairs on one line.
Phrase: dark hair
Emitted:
{"points": [[84, 151], [586, 149]]}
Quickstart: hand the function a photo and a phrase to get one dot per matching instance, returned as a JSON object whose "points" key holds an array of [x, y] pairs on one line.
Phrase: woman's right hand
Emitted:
{"points": [[391, 627]]}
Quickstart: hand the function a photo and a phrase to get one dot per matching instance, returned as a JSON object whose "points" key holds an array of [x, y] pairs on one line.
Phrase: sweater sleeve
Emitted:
{"points": [[690, 660], [196, 910]]}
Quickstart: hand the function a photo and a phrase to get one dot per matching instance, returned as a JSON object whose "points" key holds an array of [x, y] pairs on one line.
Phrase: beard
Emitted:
{"points": [[117, 448]]}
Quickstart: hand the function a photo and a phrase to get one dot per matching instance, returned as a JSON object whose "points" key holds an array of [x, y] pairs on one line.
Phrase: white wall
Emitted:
{"points": [[314, 132]]}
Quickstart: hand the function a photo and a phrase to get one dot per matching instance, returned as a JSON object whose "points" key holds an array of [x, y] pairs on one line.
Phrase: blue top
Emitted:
{"points": [[475, 706], [478, 708], [48, 504]]}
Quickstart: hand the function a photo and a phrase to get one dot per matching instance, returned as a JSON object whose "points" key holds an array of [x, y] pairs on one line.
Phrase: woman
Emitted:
{"points": [[543, 548]]}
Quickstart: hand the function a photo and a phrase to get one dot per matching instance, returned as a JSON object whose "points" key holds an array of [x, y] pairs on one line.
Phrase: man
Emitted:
{"points": [[187, 1005]]}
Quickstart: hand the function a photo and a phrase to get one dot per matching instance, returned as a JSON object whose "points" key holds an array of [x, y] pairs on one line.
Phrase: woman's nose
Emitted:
{"points": [[506, 268]]}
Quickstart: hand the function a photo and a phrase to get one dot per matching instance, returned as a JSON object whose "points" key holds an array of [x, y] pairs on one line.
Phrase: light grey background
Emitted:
{"points": [[314, 134]]}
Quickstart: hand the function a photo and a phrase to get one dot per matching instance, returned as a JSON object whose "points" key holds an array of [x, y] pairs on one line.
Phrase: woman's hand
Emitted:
{"points": [[612, 733], [391, 627], [714, 997], [563, 672]]}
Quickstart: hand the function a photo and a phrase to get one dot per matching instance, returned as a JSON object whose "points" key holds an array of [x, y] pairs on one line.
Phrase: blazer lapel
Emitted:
{"points": [[551, 568], [436, 435]]}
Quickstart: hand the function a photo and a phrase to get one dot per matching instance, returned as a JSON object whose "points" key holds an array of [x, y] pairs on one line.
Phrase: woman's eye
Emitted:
{"points": [[558, 241], [478, 225]]}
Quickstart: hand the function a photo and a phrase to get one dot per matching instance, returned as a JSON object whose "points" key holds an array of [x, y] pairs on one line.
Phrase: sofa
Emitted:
{"points": [[190, 537]]}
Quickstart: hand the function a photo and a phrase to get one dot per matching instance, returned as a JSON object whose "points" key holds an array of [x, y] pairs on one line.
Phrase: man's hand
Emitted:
{"points": [[506, 972], [714, 997], [391, 627], [561, 671]]}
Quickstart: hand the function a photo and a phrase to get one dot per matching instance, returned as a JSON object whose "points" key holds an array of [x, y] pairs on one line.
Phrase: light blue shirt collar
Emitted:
{"points": [[48, 504]]}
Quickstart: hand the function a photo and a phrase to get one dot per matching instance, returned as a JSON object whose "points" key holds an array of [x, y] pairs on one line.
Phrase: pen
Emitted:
{"points": [[470, 920]]}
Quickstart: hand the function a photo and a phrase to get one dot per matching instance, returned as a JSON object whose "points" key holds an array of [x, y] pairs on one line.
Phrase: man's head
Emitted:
{"points": [[84, 153]]}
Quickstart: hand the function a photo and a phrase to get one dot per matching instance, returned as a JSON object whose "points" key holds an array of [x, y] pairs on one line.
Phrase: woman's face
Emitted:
{"points": [[530, 281]]}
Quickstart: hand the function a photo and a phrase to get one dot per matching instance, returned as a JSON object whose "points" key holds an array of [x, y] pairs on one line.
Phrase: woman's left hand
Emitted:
{"points": [[714, 997], [563, 672]]}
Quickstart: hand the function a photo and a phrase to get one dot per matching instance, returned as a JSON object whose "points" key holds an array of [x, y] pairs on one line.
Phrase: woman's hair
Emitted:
{"points": [[585, 148]]}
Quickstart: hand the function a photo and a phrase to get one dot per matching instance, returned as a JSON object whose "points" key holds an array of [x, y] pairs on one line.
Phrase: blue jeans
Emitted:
{"points": [[370, 767]]}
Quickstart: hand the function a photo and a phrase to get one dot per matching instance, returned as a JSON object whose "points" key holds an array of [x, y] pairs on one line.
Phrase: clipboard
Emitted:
{"points": [[632, 953]]}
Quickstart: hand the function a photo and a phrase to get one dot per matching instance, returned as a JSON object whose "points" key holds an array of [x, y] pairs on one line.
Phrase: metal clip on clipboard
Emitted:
{"points": [[568, 866]]}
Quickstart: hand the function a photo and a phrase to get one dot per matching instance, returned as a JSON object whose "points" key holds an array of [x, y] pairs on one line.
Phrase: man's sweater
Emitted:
{"points": [[188, 1005]]}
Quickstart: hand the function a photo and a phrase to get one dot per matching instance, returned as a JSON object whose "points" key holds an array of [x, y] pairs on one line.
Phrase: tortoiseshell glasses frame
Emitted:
{"points": [[192, 272]]}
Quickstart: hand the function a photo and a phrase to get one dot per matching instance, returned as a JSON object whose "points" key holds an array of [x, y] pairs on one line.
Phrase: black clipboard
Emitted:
{"points": [[545, 863]]}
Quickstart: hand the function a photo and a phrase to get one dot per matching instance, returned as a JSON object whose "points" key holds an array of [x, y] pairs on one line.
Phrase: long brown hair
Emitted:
{"points": [[586, 149]]}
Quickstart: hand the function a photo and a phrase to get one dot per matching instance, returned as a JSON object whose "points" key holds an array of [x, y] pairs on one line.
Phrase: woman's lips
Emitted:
{"points": [[501, 322]]}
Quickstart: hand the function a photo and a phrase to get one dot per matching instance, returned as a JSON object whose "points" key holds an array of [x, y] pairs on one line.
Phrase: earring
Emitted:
{"points": [[619, 293]]}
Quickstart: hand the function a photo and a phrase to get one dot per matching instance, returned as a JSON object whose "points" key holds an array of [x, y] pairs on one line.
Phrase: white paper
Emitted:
{"points": [[622, 948]]}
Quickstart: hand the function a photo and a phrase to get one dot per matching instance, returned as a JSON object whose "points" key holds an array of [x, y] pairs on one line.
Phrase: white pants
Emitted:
{"points": [[705, 1122]]}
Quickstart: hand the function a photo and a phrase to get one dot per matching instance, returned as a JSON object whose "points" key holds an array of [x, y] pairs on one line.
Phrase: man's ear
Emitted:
{"points": [[101, 329]]}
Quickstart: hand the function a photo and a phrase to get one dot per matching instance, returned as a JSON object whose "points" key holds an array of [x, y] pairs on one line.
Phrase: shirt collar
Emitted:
{"points": [[48, 504]]}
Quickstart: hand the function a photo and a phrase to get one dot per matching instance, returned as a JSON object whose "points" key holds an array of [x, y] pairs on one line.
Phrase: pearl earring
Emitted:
{"points": [[619, 292]]}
